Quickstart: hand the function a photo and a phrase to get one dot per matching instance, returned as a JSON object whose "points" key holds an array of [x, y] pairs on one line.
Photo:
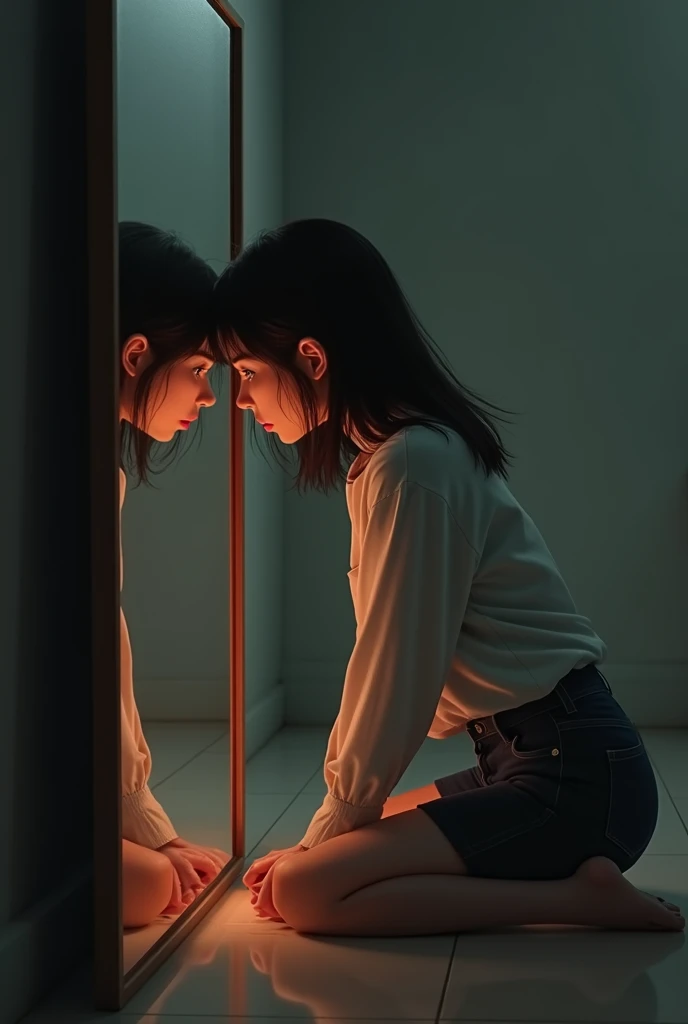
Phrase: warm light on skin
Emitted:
{"points": [[180, 392], [260, 391]]}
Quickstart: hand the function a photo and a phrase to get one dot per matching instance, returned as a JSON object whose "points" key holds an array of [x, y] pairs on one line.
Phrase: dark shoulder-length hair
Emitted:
{"points": [[320, 279], [165, 292]]}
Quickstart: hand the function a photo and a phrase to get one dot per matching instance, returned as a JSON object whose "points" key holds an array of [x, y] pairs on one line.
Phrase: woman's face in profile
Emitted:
{"points": [[275, 409], [276, 405], [177, 394]]}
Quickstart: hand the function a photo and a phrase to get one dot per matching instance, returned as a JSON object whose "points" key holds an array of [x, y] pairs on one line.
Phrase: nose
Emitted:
{"points": [[243, 402], [207, 397]]}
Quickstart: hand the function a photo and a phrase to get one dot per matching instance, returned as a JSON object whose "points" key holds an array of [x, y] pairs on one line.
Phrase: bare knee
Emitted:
{"points": [[147, 878]]}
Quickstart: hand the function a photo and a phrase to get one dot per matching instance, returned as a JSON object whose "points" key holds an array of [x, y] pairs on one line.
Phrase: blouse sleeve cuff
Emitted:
{"points": [[144, 821], [335, 818]]}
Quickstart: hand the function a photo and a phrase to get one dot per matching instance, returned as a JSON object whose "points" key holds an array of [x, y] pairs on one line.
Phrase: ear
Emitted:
{"points": [[136, 354], [312, 350]]}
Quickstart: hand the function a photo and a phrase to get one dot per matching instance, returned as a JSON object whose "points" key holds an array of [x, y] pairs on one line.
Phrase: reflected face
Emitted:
{"points": [[277, 405], [177, 394]]}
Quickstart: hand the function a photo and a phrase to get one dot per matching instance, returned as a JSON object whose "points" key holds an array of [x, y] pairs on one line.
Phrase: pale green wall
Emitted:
{"points": [[174, 172], [523, 167], [173, 165], [263, 207]]}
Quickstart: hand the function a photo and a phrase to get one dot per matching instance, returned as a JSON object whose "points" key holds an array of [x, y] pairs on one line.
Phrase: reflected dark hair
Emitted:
{"points": [[164, 294], [321, 279]]}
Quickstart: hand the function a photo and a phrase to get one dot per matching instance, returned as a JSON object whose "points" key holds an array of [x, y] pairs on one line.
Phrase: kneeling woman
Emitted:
{"points": [[164, 290], [463, 622]]}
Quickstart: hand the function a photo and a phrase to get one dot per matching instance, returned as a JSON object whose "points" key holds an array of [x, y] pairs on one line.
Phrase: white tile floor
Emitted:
{"points": [[236, 965]]}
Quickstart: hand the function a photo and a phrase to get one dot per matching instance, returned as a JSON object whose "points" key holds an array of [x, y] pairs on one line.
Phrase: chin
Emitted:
{"points": [[165, 438], [289, 440]]}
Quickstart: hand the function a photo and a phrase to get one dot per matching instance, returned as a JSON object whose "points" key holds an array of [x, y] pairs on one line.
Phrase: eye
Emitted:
{"points": [[245, 372], [198, 370]]}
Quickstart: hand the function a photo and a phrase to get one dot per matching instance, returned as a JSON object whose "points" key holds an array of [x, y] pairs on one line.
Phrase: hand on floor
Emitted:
{"points": [[255, 876], [195, 867], [262, 899]]}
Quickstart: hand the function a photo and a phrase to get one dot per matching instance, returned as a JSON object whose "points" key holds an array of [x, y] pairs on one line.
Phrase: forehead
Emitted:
{"points": [[240, 356]]}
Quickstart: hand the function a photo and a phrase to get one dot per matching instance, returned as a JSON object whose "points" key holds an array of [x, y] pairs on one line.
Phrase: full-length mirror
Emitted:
{"points": [[173, 162], [176, 205]]}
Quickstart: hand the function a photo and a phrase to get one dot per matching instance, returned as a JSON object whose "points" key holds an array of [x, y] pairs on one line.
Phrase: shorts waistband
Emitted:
{"points": [[576, 684]]}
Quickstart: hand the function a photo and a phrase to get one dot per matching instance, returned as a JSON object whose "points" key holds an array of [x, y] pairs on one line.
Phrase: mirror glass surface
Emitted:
{"points": [[173, 163]]}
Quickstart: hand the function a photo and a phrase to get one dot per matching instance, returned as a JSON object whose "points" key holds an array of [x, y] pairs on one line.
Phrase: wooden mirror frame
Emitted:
{"points": [[112, 988]]}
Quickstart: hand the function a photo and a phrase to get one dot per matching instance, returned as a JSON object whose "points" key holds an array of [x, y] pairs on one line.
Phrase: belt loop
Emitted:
{"points": [[498, 730], [604, 678], [565, 699]]}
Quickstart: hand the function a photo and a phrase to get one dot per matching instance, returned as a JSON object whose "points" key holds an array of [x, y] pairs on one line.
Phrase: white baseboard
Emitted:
{"points": [[43, 945], [168, 701], [653, 694]]}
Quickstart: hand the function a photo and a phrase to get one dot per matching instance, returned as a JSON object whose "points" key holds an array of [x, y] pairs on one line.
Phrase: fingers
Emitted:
{"points": [[219, 856], [202, 863], [260, 868], [263, 901], [190, 882], [202, 856], [255, 890], [256, 882], [250, 876], [175, 906], [264, 905], [176, 886]]}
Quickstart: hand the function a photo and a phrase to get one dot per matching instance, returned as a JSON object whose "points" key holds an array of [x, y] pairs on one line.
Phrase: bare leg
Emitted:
{"points": [[409, 800], [147, 878], [400, 876], [596, 896]]}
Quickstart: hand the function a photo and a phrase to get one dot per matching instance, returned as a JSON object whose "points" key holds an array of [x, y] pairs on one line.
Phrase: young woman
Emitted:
{"points": [[463, 623], [166, 355]]}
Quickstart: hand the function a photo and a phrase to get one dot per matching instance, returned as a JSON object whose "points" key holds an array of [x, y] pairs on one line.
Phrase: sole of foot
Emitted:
{"points": [[616, 904]]}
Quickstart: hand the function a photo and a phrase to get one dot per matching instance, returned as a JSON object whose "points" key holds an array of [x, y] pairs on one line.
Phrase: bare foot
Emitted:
{"points": [[616, 904]]}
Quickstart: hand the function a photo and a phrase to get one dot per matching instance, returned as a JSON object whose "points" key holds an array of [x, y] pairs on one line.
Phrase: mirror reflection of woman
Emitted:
{"points": [[166, 357], [463, 623]]}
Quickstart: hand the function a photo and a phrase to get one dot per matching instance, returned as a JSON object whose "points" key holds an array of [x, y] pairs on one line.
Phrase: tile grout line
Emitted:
{"points": [[282, 813], [186, 764], [445, 986]]}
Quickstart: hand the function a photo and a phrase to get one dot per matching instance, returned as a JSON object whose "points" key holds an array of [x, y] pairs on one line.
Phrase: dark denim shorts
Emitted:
{"points": [[558, 780]]}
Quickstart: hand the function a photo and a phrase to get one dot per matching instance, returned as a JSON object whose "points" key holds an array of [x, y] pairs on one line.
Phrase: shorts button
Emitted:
{"points": [[479, 729], [555, 751]]}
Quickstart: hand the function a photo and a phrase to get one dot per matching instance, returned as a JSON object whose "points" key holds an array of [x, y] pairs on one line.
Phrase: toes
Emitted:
{"points": [[665, 903]]}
